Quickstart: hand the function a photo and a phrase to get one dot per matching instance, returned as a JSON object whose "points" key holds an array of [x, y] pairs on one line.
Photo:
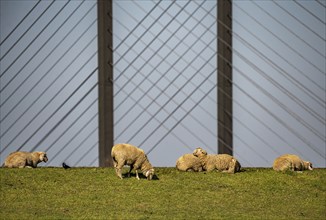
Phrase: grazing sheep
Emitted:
{"points": [[291, 162], [21, 159], [189, 162], [220, 162], [126, 154]]}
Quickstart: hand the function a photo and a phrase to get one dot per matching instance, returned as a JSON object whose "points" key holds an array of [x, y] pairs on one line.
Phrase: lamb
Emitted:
{"points": [[291, 162], [189, 162], [220, 162], [127, 154], [21, 159]]}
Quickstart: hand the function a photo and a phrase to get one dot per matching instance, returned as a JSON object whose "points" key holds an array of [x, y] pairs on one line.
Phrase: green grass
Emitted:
{"points": [[97, 193]]}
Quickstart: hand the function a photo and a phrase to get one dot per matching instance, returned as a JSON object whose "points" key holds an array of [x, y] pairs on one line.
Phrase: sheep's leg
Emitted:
{"points": [[131, 167], [115, 165], [137, 175], [118, 169]]}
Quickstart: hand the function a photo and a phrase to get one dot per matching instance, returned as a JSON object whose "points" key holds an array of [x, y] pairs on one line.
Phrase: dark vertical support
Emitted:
{"points": [[224, 13], [105, 78]]}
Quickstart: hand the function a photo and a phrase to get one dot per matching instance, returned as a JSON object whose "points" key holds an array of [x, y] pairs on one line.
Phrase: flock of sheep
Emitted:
{"points": [[199, 160]]}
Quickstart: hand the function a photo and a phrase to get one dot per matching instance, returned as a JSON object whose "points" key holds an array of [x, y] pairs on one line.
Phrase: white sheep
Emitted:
{"points": [[21, 159], [189, 162], [127, 154], [220, 162], [291, 162]]}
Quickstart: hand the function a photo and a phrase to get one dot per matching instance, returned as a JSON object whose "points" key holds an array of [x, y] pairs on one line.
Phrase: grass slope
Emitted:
{"points": [[97, 193]]}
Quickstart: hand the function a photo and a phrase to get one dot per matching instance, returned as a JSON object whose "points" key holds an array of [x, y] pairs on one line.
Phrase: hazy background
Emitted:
{"points": [[165, 91]]}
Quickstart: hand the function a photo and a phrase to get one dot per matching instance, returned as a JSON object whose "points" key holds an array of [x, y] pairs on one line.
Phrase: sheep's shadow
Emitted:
{"points": [[141, 176]]}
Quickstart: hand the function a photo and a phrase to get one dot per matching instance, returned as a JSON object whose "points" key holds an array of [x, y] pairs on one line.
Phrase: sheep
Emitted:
{"points": [[189, 162], [127, 154], [21, 159], [219, 162], [291, 162]]}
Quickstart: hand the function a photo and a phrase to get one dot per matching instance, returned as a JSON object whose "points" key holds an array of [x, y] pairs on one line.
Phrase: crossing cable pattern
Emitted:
{"points": [[310, 119], [167, 61], [165, 80], [48, 86], [311, 105], [153, 100]]}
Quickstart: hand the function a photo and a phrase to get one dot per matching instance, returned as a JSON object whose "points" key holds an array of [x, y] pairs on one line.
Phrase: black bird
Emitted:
{"points": [[64, 165]]}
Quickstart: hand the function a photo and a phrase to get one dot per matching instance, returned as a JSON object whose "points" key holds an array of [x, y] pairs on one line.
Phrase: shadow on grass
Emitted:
{"points": [[141, 176]]}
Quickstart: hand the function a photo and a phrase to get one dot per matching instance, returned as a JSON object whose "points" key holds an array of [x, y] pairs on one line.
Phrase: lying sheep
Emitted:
{"points": [[220, 162], [189, 162], [21, 159], [126, 154], [291, 162]]}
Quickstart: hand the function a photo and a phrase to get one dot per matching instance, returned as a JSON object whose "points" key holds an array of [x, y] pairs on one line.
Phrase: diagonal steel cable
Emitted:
{"points": [[156, 52], [21, 21], [48, 102], [70, 126], [60, 149], [262, 156], [59, 122], [277, 37], [46, 89], [34, 39], [310, 110], [56, 110], [192, 133], [147, 46], [164, 126], [26, 33], [311, 13], [35, 53], [281, 71], [273, 98], [162, 106], [288, 93], [183, 117], [116, 62], [171, 83], [139, 22], [248, 111], [93, 161], [288, 29], [320, 2], [184, 43], [86, 153], [283, 106], [162, 76], [303, 139], [297, 82], [299, 21], [308, 91], [53, 65]]}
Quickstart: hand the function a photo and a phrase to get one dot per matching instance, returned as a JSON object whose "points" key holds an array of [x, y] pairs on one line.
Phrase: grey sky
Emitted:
{"points": [[278, 75]]}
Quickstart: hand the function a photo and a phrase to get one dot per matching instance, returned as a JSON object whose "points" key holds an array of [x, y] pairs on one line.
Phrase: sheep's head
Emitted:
{"points": [[42, 157], [235, 165], [307, 165], [149, 174], [199, 152]]}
